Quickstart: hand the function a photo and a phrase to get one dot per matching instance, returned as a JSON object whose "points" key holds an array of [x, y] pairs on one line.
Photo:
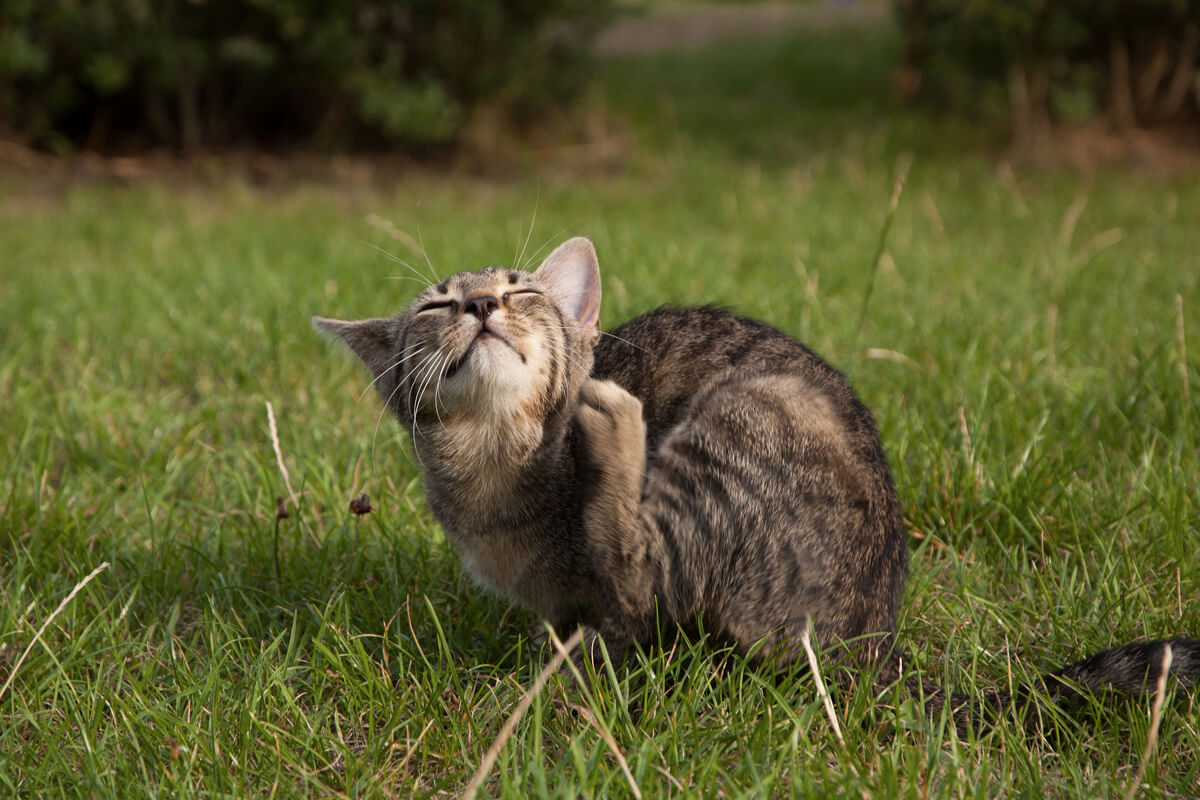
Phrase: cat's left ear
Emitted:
{"points": [[571, 274], [370, 339]]}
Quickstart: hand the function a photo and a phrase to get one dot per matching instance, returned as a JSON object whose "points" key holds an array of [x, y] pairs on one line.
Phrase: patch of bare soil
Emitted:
{"points": [[1093, 145], [583, 142]]}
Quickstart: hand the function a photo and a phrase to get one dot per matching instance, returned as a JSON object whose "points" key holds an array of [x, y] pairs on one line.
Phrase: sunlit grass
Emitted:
{"points": [[1020, 350]]}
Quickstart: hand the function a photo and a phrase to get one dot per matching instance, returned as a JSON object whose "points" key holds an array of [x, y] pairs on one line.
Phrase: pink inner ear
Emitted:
{"points": [[572, 276]]}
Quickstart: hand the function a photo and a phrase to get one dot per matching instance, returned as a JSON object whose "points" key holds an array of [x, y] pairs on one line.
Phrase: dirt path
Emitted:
{"points": [[697, 24]]}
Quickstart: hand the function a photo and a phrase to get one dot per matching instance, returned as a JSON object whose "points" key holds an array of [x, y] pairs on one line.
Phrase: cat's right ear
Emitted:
{"points": [[572, 276], [370, 339]]}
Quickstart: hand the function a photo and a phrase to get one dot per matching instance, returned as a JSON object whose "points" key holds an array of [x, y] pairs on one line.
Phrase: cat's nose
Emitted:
{"points": [[481, 305]]}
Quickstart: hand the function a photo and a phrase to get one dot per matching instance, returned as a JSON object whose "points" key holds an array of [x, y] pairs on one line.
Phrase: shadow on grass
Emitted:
{"points": [[381, 579]]}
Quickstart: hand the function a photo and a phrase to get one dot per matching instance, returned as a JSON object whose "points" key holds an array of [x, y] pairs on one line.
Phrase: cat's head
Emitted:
{"points": [[491, 344]]}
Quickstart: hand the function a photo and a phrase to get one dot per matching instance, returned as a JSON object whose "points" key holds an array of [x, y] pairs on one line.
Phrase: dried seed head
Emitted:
{"points": [[360, 505]]}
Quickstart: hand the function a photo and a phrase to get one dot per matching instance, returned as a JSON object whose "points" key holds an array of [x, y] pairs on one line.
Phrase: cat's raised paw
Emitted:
{"points": [[612, 423], [607, 395], [614, 439]]}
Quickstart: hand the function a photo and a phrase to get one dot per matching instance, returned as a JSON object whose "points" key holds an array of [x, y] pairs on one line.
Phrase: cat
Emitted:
{"points": [[691, 466]]}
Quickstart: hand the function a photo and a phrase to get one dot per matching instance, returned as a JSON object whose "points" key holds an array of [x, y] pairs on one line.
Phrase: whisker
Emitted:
{"points": [[387, 404], [571, 355], [422, 281], [537, 252], [602, 333], [375, 434], [402, 263], [424, 252], [437, 390], [416, 402], [425, 373], [626, 341], [400, 360], [424, 386], [574, 360], [517, 258]]}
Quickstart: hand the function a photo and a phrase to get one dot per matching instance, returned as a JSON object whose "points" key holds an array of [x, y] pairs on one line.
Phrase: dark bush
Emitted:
{"points": [[334, 73], [1042, 61]]}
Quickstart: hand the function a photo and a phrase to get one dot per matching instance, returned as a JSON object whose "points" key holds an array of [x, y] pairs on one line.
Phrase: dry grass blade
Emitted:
{"points": [[287, 481], [412, 748], [388, 227], [1160, 695], [935, 218], [1070, 219], [884, 354], [510, 724], [903, 164], [674, 781], [37, 636], [806, 640], [595, 723], [587, 715]]}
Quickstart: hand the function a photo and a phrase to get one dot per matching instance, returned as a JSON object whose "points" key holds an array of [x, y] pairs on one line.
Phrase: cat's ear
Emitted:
{"points": [[370, 339], [571, 274]]}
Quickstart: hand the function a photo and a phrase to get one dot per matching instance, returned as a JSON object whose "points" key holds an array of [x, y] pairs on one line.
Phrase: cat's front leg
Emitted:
{"points": [[615, 441], [627, 551]]}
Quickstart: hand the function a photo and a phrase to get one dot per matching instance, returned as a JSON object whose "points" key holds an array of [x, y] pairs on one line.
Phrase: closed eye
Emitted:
{"points": [[450, 304], [509, 295]]}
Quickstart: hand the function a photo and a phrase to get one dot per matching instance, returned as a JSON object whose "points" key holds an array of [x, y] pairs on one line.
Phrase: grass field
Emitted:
{"points": [[1023, 349]]}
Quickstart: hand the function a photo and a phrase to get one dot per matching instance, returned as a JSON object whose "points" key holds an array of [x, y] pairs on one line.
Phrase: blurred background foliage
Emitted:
{"points": [[326, 73], [104, 75], [1041, 62]]}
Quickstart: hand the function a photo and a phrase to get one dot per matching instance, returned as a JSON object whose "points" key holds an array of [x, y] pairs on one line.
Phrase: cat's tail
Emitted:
{"points": [[1132, 668]]}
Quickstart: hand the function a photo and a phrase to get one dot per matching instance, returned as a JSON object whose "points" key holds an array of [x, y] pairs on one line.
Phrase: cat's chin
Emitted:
{"points": [[491, 376], [483, 353]]}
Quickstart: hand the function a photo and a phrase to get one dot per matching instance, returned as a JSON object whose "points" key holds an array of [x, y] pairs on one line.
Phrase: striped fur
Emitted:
{"points": [[692, 467]]}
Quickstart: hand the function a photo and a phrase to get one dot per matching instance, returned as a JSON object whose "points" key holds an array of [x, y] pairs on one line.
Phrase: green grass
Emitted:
{"points": [[1026, 373]]}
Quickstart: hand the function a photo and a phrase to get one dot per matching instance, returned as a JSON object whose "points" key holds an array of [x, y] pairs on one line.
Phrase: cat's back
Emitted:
{"points": [[669, 357], [758, 450]]}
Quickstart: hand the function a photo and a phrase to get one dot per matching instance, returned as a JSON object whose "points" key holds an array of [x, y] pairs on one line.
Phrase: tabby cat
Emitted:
{"points": [[692, 465]]}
